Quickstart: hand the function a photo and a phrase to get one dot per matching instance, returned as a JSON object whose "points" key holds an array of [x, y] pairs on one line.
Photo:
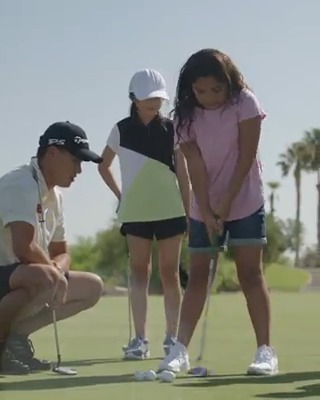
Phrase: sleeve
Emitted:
{"points": [[249, 106], [59, 234], [18, 203], [185, 134], [113, 140]]}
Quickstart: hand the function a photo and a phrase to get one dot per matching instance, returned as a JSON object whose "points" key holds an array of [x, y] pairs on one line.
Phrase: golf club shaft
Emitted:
{"points": [[205, 319], [55, 328]]}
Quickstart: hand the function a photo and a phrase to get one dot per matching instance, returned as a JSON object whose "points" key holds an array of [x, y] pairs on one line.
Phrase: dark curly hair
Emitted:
{"points": [[204, 63]]}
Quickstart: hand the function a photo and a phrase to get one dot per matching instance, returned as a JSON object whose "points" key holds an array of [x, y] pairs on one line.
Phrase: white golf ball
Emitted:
{"points": [[150, 375], [139, 376], [166, 376]]}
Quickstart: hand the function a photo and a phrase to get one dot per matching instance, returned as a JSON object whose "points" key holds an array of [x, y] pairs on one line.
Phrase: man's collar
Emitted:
{"points": [[38, 176]]}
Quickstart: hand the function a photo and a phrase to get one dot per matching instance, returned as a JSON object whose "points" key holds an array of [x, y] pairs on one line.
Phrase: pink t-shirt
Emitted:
{"points": [[216, 134]]}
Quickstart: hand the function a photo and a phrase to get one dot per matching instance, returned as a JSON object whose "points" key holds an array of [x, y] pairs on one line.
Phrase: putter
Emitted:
{"points": [[201, 371], [58, 368]]}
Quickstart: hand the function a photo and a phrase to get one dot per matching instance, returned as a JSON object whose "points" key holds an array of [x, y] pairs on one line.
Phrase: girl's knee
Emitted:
{"points": [[250, 277], [140, 274], [169, 275]]}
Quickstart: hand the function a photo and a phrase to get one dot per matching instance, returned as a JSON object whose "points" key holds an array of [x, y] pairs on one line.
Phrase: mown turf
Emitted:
{"points": [[92, 342]]}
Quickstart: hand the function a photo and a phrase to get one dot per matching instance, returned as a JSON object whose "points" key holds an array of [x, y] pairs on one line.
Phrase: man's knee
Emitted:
{"points": [[95, 288]]}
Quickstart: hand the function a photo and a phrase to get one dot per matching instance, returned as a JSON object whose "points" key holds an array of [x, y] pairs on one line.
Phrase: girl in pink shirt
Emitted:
{"points": [[218, 124]]}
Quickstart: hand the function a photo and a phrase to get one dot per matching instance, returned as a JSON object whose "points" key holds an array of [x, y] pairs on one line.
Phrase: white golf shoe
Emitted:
{"points": [[265, 362], [177, 360]]}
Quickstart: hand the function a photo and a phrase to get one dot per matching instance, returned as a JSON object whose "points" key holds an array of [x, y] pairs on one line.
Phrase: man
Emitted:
{"points": [[35, 271]]}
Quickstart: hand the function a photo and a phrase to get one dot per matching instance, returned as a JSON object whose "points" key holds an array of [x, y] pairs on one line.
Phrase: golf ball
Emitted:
{"points": [[150, 375], [139, 376], [166, 376]]}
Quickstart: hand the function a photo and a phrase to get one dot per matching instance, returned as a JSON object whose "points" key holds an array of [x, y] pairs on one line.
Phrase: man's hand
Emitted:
{"points": [[61, 290]]}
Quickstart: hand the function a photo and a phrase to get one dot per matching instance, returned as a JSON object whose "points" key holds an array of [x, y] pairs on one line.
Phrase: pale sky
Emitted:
{"points": [[73, 59]]}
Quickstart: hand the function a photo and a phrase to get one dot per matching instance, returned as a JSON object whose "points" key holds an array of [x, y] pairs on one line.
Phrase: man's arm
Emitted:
{"points": [[58, 252], [24, 246], [58, 249]]}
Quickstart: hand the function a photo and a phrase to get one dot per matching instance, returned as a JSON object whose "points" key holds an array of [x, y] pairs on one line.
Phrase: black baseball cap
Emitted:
{"points": [[70, 137]]}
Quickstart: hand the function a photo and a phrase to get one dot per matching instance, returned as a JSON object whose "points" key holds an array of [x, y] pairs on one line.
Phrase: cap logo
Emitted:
{"points": [[57, 142], [79, 140]]}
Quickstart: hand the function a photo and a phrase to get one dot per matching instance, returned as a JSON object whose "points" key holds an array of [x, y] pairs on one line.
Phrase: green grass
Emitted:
{"points": [[92, 342], [285, 278], [279, 277]]}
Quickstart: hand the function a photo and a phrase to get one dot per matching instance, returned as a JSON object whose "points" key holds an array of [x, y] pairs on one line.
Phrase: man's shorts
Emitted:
{"points": [[250, 230], [163, 229], [5, 272]]}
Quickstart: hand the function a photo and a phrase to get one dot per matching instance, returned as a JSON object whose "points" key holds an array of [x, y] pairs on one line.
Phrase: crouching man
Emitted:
{"points": [[35, 273]]}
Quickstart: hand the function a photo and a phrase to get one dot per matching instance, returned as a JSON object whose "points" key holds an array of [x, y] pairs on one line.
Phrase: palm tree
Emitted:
{"points": [[312, 141], [273, 186], [295, 159]]}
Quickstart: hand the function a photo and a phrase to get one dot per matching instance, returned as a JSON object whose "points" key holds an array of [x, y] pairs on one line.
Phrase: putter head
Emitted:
{"points": [[200, 372], [64, 370]]}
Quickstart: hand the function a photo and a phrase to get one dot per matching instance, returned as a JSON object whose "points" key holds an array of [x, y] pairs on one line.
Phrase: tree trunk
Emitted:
{"points": [[297, 176], [271, 198], [318, 220]]}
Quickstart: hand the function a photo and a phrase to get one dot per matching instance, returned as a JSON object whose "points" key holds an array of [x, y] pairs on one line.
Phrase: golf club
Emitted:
{"points": [[212, 269], [58, 368], [201, 371]]}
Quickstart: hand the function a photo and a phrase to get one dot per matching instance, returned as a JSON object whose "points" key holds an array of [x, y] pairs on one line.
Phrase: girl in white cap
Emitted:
{"points": [[153, 201]]}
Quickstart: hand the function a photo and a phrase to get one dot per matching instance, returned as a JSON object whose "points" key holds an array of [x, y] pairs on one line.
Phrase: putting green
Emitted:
{"points": [[91, 343]]}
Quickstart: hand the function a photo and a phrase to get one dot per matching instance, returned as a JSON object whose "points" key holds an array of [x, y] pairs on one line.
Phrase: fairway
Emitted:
{"points": [[92, 343]]}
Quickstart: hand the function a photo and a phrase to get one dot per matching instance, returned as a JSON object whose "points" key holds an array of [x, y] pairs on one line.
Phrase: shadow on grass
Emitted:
{"points": [[65, 382], [299, 393], [226, 380], [96, 361]]}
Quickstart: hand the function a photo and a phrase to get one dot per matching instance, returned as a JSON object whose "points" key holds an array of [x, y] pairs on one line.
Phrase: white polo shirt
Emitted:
{"points": [[19, 201]]}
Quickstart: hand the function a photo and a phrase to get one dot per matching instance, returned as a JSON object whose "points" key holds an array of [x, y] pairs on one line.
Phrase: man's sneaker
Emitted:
{"points": [[168, 342], [177, 360], [265, 362], [22, 349], [137, 349], [9, 365]]}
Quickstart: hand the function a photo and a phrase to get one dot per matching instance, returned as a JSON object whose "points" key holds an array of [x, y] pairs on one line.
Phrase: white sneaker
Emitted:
{"points": [[265, 362], [137, 349], [177, 360]]}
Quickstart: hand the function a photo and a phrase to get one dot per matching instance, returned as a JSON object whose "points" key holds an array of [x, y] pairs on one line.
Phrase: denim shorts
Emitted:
{"points": [[246, 231]]}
